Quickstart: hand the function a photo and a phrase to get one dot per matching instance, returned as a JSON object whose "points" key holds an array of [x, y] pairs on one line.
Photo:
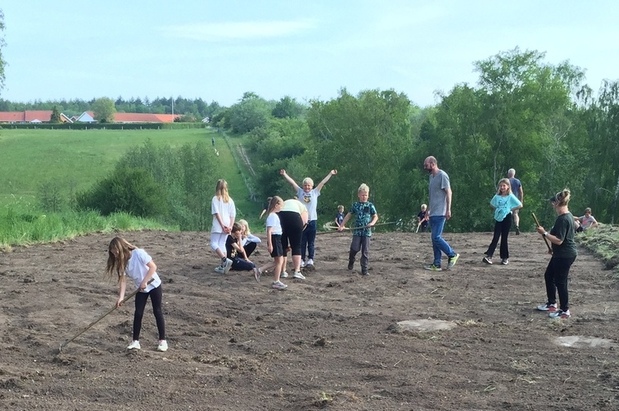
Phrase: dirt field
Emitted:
{"points": [[328, 342]]}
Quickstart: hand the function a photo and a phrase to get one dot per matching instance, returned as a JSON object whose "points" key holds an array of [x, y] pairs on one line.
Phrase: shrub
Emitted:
{"points": [[130, 190]]}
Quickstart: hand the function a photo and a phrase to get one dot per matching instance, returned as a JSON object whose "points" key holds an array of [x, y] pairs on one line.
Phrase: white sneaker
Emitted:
{"points": [[298, 276], [309, 262], [135, 345], [257, 273], [163, 346], [219, 269], [227, 265], [302, 263], [284, 274], [278, 285]]}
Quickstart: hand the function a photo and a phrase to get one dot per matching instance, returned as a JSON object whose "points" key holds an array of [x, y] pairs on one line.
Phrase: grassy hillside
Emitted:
{"points": [[71, 158]]}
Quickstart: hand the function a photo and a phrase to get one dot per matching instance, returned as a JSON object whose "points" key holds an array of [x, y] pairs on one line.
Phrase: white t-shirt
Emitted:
{"points": [[310, 200], [227, 212], [137, 269], [273, 221]]}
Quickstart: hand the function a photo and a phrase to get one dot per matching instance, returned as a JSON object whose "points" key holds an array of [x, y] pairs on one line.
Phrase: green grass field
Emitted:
{"points": [[75, 161], [71, 158]]}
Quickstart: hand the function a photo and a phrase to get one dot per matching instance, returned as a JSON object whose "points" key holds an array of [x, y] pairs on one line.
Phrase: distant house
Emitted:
{"points": [[144, 118], [44, 116], [85, 117], [30, 116]]}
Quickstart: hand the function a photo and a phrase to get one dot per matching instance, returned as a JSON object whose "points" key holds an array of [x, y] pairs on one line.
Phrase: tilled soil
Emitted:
{"points": [[328, 342]]}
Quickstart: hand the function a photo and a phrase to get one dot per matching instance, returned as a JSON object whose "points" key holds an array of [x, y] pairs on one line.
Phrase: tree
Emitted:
{"points": [[250, 113], [288, 107], [2, 44], [55, 115], [104, 109]]}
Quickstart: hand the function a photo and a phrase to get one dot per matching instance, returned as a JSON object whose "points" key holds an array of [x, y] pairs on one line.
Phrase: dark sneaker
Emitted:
{"points": [[517, 230], [351, 265], [547, 307], [432, 267], [364, 273], [452, 260], [505, 261], [487, 260], [560, 314]]}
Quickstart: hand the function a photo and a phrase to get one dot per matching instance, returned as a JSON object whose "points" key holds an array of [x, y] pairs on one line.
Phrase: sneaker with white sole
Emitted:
{"points": [[547, 307], [278, 285], [432, 267], [135, 345], [227, 265], [452, 261], [298, 276], [504, 261], [487, 260], [309, 262], [219, 269], [560, 314], [163, 346], [284, 274], [302, 263], [257, 273]]}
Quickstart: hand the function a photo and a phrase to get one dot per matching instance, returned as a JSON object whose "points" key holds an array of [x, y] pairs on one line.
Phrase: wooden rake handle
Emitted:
{"points": [[543, 236], [127, 298]]}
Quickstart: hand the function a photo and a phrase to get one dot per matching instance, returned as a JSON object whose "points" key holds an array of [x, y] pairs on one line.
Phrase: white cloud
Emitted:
{"points": [[212, 32]]}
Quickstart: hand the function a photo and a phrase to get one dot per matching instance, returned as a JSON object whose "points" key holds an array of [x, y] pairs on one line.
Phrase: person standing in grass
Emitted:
{"points": [[439, 212], [224, 213], [365, 218], [504, 204], [308, 195], [564, 253], [126, 260]]}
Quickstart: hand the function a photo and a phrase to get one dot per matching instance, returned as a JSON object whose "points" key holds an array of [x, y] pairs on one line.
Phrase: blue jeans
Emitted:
{"points": [[308, 239], [437, 223]]}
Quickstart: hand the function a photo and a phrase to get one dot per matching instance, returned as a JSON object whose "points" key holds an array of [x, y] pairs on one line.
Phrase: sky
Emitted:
{"points": [[308, 50]]}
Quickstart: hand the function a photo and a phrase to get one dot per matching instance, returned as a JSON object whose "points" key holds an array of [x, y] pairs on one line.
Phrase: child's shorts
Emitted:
{"points": [[278, 249]]}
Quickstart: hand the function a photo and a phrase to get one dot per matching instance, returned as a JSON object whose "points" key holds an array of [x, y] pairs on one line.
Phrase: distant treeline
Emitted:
{"points": [[196, 108]]}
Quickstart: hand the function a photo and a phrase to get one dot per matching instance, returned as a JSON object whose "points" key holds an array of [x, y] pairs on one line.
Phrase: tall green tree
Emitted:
{"points": [[366, 137], [104, 109]]}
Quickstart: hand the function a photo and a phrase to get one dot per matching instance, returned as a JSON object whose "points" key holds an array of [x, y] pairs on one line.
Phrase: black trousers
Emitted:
{"points": [[501, 230]]}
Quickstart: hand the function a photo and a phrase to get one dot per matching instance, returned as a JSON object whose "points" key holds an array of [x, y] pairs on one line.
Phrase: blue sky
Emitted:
{"points": [[218, 49]]}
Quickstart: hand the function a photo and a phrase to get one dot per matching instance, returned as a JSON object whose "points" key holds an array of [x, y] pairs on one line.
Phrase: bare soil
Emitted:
{"points": [[328, 342]]}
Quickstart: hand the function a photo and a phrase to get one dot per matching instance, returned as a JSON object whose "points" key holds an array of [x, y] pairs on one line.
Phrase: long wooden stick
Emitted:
{"points": [[356, 228], [128, 297], [543, 236]]}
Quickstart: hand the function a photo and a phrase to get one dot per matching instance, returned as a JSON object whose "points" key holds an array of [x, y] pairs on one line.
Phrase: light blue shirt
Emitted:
{"points": [[503, 205]]}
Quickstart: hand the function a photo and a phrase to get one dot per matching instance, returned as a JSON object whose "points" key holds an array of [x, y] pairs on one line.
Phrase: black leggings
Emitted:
{"points": [[156, 295], [292, 230], [556, 277]]}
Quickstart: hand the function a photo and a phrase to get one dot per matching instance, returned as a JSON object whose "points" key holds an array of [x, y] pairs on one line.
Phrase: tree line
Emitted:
{"points": [[523, 113]]}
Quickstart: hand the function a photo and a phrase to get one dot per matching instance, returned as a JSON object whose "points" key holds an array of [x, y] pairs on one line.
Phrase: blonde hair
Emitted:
{"points": [[504, 181], [340, 207], [363, 188], [424, 206], [245, 227], [119, 253], [562, 198], [221, 190], [309, 181]]}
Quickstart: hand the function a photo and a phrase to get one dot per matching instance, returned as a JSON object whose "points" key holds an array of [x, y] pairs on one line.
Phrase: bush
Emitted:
{"points": [[130, 190]]}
